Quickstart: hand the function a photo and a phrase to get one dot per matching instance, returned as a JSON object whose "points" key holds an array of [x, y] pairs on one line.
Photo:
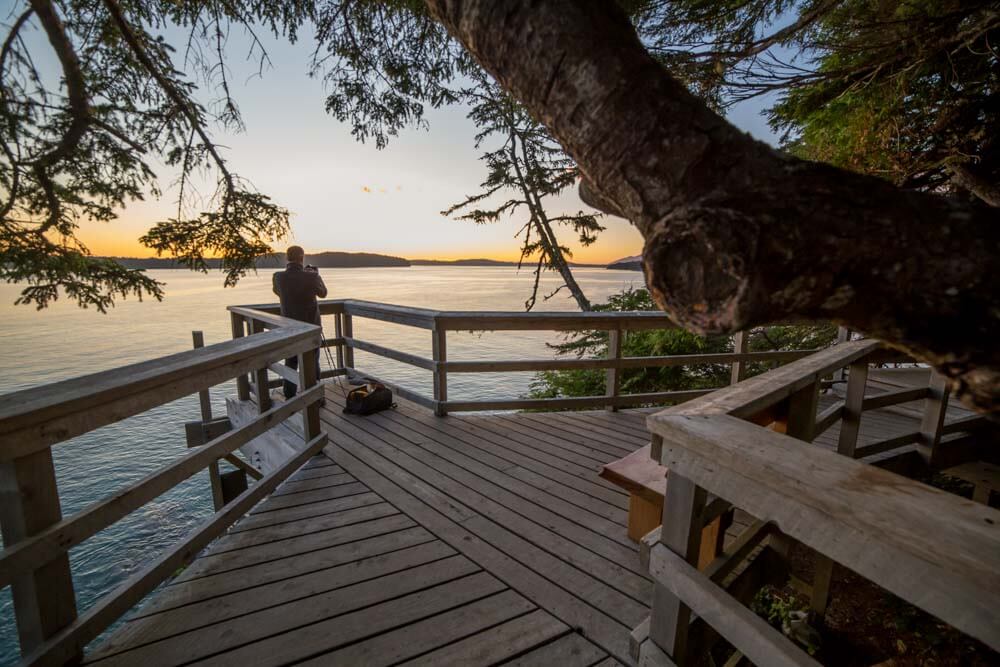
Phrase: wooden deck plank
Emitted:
{"points": [[211, 563], [599, 448], [324, 636], [284, 531], [313, 473], [568, 427], [507, 445], [496, 644], [605, 558], [292, 514], [370, 468], [318, 462], [571, 650], [566, 487], [554, 442], [298, 486], [294, 500], [268, 629], [345, 486], [177, 620], [411, 640], [446, 448], [183, 593]]}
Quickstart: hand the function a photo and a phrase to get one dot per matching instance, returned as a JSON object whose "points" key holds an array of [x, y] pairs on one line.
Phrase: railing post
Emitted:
{"points": [[741, 342], [308, 362], [935, 409], [263, 391], [348, 333], [801, 425], [850, 425], [214, 479], [843, 335], [338, 332], [44, 602], [439, 352], [613, 378], [242, 385], [670, 618], [802, 412]]}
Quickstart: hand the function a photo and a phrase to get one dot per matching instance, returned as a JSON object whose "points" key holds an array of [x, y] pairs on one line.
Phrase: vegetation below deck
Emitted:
{"points": [[665, 342]]}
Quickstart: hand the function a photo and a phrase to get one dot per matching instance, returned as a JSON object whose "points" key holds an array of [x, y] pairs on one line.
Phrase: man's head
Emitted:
{"points": [[295, 254]]}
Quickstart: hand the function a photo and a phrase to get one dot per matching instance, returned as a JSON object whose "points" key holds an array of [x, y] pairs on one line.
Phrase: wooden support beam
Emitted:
{"points": [[741, 342], [683, 505], [850, 427], [749, 633], [239, 331], [613, 376], [338, 332], [931, 426], [308, 363], [44, 602], [260, 376], [348, 332], [439, 351], [205, 401]]}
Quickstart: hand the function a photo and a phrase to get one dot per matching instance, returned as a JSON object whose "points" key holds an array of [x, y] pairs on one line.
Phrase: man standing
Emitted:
{"points": [[297, 287]]}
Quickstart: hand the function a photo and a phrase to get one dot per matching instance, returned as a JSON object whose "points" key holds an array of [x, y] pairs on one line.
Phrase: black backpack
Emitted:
{"points": [[368, 400]]}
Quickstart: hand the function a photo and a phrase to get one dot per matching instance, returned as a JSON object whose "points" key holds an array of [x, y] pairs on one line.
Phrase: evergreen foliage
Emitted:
{"points": [[659, 342]]}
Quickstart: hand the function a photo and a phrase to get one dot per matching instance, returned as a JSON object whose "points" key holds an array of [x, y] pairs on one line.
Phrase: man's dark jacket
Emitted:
{"points": [[298, 289]]}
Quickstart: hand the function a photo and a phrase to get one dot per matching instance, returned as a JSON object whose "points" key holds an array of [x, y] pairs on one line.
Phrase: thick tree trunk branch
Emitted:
{"points": [[736, 233], [968, 179]]}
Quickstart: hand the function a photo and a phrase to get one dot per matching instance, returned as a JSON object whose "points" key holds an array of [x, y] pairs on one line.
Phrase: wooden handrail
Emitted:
{"points": [[906, 532], [59, 538], [34, 562], [70, 641], [439, 322], [34, 419]]}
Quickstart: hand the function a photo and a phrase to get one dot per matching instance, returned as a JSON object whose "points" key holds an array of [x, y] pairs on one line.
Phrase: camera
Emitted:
{"points": [[310, 267]]}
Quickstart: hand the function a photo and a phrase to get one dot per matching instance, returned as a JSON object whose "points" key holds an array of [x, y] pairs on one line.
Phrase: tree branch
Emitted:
{"points": [[736, 233]]}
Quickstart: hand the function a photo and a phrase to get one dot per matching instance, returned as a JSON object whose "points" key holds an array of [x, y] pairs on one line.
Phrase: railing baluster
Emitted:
{"points": [[348, 333], [44, 601], [338, 332], [670, 618], [204, 399], [741, 341], [308, 362], [260, 376], [612, 381], [935, 409], [850, 425], [439, 353], [242, 384]]}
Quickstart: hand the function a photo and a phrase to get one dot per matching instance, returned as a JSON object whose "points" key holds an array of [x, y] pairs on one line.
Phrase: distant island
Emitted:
{"points": [[633, 263], [342, 260]]}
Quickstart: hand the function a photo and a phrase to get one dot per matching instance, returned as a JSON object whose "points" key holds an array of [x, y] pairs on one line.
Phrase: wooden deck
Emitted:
{"points": [[413, 539]]}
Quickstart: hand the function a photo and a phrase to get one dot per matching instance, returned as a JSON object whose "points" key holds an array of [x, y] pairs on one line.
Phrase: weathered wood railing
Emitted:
{"points": [[936, 550], [37, 538], [439, 323]]}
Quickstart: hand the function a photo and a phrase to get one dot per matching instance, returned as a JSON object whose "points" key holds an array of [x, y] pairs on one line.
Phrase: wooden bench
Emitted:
{"points": [[646, 482]]}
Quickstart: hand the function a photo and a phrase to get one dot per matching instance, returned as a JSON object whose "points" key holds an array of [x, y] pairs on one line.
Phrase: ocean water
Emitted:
{"points": [[63, 341]]}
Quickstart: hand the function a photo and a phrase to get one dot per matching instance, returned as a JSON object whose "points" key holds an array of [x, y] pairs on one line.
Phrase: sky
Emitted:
{"points": [[348, 196]]}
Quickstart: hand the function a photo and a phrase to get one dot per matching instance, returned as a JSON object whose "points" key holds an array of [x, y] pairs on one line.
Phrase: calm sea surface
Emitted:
{"points": [[64, 341]]}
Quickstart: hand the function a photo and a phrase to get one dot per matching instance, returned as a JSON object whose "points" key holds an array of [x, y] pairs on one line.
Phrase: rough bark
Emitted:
{"points": [[738, 234], [981, 187]]}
